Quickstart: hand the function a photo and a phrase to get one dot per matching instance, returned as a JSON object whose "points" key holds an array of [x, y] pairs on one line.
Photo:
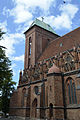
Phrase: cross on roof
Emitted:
{"points": [[42, 18]]}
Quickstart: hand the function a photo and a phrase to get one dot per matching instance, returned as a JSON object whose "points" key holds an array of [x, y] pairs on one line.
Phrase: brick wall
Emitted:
{"points": [[40, 39], [55, 95], [68, 41]]}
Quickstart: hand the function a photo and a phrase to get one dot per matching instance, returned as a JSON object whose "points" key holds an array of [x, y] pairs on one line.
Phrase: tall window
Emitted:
{"points": [[29, 59], [23, 96], [30, 42], [29, 62], [51, 110], [71, 91]]}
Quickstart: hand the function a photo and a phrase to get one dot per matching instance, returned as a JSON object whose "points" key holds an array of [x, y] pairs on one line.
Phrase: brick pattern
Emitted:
{"points": [[68, 61], [37, 105], [68, 41], [40, 40]]}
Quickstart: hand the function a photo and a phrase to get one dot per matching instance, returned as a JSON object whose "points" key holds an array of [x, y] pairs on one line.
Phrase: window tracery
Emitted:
{"points": [[71, 91]]}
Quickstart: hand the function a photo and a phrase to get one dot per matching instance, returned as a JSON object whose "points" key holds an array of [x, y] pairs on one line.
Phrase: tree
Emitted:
{"points": [[5, 71], [6, 83], [1, 34]]}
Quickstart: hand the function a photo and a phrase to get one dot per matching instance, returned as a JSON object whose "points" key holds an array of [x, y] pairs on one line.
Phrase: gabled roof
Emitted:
{"points": [[42, 24]]}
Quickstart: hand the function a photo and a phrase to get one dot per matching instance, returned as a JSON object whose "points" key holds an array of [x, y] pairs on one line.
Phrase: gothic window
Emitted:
{"points": [[71, 91], [51, 110], [29, 59], [23, 95], [36, 89], [68, 58], [34, 110], [30, 42], [69, 64], [50, 88], [29, 62]]}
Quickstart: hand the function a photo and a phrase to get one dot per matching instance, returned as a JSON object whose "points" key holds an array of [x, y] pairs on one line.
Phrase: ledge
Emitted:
{"points": [[54, 74], [72, 72], [71, 106], [19, 108], [33, 82]]}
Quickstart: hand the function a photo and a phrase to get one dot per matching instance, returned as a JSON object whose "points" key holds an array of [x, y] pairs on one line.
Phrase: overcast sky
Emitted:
{"points": [[17, 15]]}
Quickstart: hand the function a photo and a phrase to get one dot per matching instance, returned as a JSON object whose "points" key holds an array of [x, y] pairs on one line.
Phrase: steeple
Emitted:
{"points": [[37, 37]]}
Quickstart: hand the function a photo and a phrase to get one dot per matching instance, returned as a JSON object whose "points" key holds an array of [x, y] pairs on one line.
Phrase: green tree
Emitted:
{"points": [[1, 34], [6, 83]]}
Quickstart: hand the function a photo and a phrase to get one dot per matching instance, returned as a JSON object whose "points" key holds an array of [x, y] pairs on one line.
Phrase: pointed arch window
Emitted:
{"points": [[71, 91], [23, 96], [30, 42], [51, 110]]}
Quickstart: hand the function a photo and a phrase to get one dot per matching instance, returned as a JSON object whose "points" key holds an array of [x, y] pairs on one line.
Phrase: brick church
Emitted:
{"points": [[49, 86]]}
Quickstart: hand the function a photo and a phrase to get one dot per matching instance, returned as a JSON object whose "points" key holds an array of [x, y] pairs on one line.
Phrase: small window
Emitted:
{"points": [[23, 96], [61, 44], [29, 62], [50, 88], [51, 110], [36, 90]]}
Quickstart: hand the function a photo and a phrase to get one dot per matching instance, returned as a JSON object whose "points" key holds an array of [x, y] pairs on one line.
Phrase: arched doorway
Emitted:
{"points": [[34, 111], [51, 110]]}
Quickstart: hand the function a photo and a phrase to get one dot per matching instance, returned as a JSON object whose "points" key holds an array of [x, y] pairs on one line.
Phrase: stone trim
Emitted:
{"points": [[72, 72], [54, 74], [34, 82], [54, 107], [19, 107]]}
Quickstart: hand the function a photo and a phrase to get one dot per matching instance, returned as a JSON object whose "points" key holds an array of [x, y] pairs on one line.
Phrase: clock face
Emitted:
{"points": [[36, 90]]}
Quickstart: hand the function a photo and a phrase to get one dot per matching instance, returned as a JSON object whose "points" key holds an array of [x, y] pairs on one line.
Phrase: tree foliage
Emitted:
{"points": [[6, 83], [1, 34], [5, 71]]}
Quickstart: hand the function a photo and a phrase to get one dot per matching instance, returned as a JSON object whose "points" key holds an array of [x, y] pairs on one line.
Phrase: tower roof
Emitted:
{"points": [[42, 25]]}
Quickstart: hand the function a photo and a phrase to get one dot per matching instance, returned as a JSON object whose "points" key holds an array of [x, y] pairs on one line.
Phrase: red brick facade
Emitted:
{"points": [[40, 39], [46, 91]]}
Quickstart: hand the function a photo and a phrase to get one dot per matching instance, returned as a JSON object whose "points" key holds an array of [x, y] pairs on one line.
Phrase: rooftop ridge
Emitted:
{"points": [[42, 25]]}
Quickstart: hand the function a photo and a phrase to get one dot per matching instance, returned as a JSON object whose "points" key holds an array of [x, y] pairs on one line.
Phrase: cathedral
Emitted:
{"points": [[49, 85]]}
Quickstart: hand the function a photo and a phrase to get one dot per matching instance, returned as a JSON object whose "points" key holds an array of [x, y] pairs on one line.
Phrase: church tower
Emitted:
{"points": [[38, 36]]}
